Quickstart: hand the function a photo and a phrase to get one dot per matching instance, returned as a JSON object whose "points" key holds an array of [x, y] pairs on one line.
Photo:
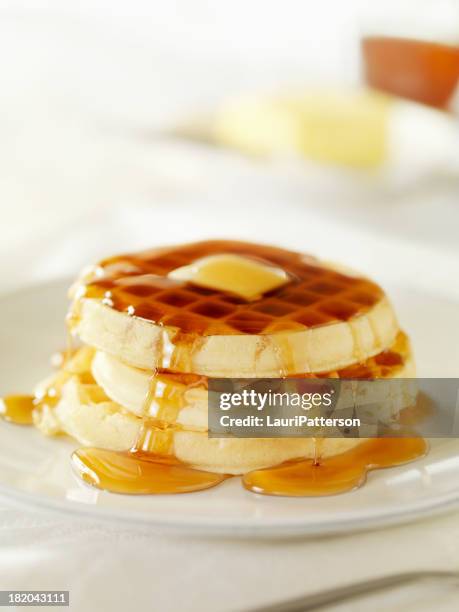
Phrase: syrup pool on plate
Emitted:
{"points": [[336, 474], [17, 409], [140, 473]]}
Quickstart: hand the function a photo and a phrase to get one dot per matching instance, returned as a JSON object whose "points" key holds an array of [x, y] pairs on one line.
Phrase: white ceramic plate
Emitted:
{"points": [[35, 470]]}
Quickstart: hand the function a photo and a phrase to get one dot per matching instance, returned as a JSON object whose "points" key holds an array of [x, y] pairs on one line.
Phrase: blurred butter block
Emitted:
{"points": [[358, 128]]}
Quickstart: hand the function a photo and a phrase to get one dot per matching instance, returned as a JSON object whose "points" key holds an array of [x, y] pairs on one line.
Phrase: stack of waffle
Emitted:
{"points": [[152, 335]]}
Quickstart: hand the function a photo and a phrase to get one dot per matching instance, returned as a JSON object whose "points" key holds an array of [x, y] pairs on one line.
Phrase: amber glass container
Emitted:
{"points": [[424, 71]]}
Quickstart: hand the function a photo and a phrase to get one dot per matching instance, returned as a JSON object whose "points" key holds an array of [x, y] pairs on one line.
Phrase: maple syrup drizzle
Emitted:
{"points": [[140, 473], [17, 409], [285, 355], [138, 284], [150, 468], [163, 402], [318, 444], [155, 437], [20, 409], [337, 474], [423, 409]]}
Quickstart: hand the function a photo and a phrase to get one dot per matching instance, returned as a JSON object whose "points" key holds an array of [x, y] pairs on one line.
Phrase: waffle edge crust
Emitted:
{"points": [[324, 320], [88, 415]]}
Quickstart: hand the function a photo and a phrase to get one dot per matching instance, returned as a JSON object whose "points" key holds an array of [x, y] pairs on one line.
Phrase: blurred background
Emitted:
{"points": [[330, 127]]}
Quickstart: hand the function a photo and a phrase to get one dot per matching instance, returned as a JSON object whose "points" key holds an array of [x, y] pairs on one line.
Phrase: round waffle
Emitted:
{"points": [[85, 412], [184, 396], [321, 320], [87, 415]]}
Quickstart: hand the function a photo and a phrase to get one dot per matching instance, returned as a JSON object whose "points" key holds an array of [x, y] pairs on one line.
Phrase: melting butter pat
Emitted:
{"points": [[245, 277]]}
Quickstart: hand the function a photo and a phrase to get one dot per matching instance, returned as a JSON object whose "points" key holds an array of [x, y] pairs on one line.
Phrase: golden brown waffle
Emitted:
{"points": [[387, 364], [319, 321], [87, 415], [167, 395], [91, 413], [316, 295]]}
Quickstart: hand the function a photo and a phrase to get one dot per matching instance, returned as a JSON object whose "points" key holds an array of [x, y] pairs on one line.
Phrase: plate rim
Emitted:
{"points": [[355, 522]]}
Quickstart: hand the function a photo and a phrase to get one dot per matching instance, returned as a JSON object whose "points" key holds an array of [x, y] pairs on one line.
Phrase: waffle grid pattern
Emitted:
{"points": [[138, 284]]}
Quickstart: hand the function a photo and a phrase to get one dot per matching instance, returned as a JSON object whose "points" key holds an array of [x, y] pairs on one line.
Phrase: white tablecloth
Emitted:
{"points": [[115, 568]]}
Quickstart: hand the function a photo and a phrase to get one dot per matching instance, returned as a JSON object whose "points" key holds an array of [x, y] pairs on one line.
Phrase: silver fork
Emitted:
{"points": [[316, 601]]}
